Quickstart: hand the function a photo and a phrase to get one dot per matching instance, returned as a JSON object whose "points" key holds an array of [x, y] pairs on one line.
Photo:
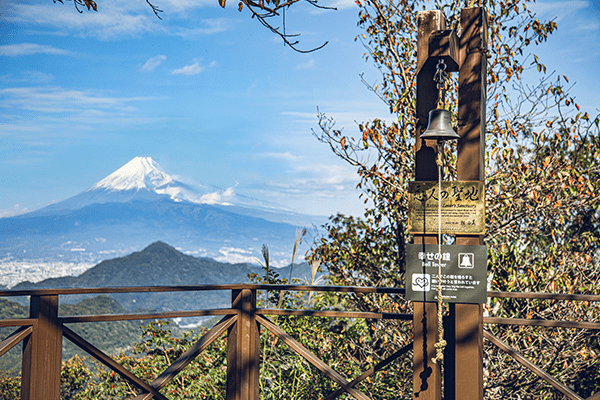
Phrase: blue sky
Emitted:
{"points": [[208, 93]]}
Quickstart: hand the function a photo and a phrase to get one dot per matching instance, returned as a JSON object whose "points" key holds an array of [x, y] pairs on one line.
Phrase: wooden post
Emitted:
{"points": [[463, 372], [426, 374], [243, 349], [42, 351]]}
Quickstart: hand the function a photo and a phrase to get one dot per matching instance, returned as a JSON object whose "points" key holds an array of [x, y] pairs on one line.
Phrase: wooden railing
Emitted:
{"points": [[43, 331]]}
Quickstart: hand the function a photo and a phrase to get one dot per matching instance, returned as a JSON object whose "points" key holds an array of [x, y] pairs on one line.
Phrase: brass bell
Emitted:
{"points": [[439, 126]]}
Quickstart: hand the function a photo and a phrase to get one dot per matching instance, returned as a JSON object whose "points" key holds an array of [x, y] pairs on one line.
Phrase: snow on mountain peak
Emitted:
{"points": [[139, 173], [143, 177]]}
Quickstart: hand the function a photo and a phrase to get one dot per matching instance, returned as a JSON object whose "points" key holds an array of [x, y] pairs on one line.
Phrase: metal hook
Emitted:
{"points": [[440, 73], [440, 78]]}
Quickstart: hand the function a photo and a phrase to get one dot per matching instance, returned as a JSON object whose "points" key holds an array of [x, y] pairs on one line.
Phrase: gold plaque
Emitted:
{"points": [[463, 207]]}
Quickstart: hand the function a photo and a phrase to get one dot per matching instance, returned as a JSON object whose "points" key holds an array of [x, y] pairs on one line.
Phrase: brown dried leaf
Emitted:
{"points": [[91, 4]]}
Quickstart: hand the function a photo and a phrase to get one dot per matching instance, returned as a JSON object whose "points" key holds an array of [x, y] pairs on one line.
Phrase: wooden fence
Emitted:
{"points": [[43, 331]]}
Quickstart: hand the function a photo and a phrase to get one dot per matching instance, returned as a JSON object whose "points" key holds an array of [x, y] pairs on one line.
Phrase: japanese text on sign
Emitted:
{"points": [[463, 207], [463, 278]]}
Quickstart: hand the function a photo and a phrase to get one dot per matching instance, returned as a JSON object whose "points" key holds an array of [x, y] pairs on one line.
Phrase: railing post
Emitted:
{"points": [[42, 351], [243, 348]]}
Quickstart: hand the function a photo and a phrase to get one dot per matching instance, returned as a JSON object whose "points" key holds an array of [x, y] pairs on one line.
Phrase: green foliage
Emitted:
{"points": [[74, 376], [204, 378], [158, 348], [110, 337], [10, 363], [349, 346], [10, 387]]}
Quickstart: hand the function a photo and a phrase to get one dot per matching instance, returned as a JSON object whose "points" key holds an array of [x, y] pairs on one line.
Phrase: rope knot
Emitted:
{"points": [[439, 355]]}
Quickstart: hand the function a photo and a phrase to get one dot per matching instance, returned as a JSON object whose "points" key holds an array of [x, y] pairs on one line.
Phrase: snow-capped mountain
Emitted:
{"points": [[142, 179], [139, 204], [141, 173], [142, 176]]}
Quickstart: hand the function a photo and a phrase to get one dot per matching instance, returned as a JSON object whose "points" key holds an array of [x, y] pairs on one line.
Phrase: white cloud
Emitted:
{"points": [[235, 255], [192, 69], [590, 26], [17, 209], [558, 10], [280, 156], [219, 197], [57, 99], [117, 20], [207, 27], [49, 112], [28, 49], [153, 62], [31, 77], [182, 6], [340, 4], [347, 120], [307, 64]]}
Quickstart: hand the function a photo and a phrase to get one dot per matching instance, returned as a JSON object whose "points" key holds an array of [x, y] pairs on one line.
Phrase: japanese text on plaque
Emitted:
{"points": [[463, 207]]}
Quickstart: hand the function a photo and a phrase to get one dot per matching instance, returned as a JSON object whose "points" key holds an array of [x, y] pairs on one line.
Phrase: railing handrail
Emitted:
{"points": [[302, 288], [544, 296], [191, 288]]}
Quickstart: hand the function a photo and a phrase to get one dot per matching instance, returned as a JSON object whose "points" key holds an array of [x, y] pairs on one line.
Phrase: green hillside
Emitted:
{"points": [[157, 265], [111, 337]]}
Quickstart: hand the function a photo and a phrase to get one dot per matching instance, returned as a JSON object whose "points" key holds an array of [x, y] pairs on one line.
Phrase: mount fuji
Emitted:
{"points": [[142, 179], [140, 204]]}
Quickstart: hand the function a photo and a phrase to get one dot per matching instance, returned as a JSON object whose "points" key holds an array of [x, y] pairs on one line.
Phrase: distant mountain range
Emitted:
{"points": [[140, 204], [161, 264]]}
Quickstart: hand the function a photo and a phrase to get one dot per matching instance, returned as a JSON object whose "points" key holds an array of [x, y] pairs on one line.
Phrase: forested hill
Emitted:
{"points": [[111, 337], [157, 265]]}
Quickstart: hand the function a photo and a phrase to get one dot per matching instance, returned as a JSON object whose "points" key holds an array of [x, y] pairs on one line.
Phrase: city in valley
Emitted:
{"points": [[16, 271]]}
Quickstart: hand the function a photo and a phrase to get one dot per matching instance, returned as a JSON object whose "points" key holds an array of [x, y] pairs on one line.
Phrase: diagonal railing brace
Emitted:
{"points": [[531, 366], [371, 371], [14, 339], [311, 358], [189, 355], [110, 363]]}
